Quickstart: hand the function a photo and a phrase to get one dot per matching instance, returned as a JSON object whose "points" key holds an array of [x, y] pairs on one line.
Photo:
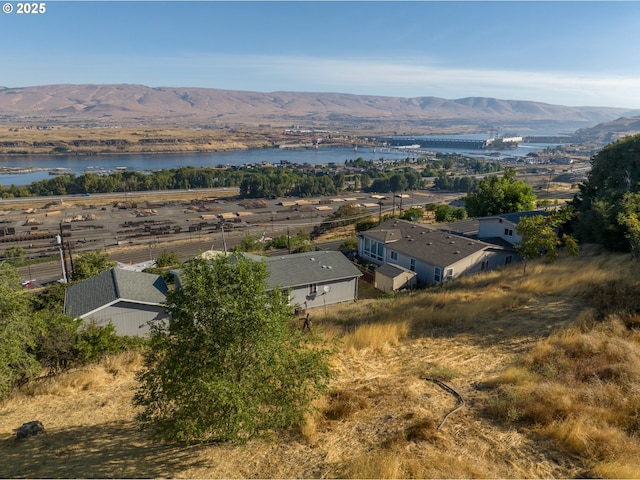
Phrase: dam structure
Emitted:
{"points": [[454, 143]]}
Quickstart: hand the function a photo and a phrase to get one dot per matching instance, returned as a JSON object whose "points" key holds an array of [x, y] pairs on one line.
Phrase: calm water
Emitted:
{"points": [[81, 164]]}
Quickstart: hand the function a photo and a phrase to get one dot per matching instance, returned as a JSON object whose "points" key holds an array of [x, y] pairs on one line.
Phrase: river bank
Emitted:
{"points": [[29, 140]]}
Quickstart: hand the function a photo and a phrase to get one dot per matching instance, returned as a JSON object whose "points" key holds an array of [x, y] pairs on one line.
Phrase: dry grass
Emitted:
{"points": [[549, 376], [128, 140]]}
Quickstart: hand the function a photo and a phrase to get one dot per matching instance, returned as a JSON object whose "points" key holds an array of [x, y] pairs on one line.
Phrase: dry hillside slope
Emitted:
{"points": [[126, 104], [484, 336]]}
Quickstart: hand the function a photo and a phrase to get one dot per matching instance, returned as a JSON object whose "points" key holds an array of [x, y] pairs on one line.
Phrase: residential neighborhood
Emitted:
{"points": [[403, 255]]}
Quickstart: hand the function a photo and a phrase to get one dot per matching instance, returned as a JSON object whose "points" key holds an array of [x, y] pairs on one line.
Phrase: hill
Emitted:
{"points": [[111, 105], [547, 364], [608, 132]]}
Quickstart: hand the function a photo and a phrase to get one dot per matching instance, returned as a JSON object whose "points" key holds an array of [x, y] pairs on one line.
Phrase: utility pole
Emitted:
{"points": [[63, 258], [70, 258], [224, 242], [61, 248]]}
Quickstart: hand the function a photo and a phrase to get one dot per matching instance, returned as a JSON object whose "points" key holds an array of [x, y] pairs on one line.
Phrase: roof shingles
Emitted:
{"points": [[111, 286], [427, 244]]}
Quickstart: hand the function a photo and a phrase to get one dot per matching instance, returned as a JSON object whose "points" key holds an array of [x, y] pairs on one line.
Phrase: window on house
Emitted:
{"points": [[449, 274], [313, 289], [412, 265], [394, 255], [373, 249], [484, 265], [508, 260], [437, 274], [508, 232]]}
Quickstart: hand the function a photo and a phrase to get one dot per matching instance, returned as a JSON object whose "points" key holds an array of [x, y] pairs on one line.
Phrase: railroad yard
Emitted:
{"points": [[136, 228]]}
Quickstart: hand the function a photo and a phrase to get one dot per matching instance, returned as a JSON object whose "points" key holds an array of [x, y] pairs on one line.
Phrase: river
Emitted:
{"points": [[79, 164]]}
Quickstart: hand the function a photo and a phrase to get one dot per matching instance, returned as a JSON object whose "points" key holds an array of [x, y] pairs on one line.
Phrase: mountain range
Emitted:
{"points": [[124, 104]]}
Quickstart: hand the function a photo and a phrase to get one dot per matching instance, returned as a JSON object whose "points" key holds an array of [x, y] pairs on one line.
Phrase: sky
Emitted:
{"points": [[575, 53]]}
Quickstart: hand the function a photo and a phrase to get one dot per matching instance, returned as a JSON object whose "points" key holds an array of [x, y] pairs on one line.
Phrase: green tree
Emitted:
{"points": [[90, 264], [496, 195], [447, 213], [15, 255], [541, 237], [349, 245], [628, 218], [18, 332], [168, 259], [603, 211], [300, 242], [56, 346], [413, 214], [249, 372], [249, 243]]}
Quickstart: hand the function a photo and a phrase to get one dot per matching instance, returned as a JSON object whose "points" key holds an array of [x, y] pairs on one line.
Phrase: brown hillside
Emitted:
{"points": [[483, 336], [135, 104]]}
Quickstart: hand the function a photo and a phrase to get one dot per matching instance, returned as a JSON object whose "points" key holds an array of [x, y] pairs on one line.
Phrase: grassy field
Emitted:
{"points": [[547, 364]]}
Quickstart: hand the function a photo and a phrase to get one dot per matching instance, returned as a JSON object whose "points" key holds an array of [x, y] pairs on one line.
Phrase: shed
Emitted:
{"points": [[391, 278]]}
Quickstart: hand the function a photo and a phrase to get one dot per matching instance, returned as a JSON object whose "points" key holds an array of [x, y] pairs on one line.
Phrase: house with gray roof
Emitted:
{"points": [[128, 299], [434, 255], [314, 279]]}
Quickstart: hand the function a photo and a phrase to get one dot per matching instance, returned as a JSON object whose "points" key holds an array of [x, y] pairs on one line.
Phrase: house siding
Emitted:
{"points": [[128, 318], [340, 291], [495, 227]]}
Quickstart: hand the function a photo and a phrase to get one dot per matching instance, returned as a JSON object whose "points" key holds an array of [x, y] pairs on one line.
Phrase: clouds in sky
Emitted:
{"points": [[575, 53], [391, 78]]}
